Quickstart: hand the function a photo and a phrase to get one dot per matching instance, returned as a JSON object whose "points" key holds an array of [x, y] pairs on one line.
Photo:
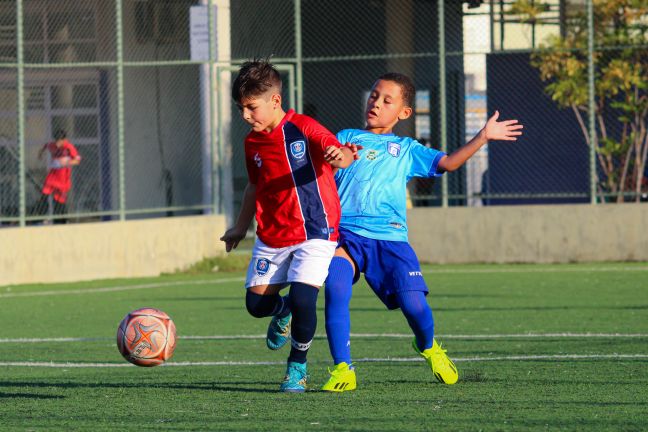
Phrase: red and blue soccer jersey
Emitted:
{"points": [[59, 180], [296, 196]]}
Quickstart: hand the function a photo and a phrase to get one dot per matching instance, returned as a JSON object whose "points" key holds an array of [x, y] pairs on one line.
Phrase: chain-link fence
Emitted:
{"points": [[141, 87]]}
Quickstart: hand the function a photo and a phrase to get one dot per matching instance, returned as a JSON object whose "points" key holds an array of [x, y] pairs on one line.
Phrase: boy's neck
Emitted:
{"points": [[279, 116], [380, 131]]}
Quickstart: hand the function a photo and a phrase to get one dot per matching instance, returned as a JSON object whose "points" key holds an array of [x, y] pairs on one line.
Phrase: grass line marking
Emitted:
{"points": [[121, 288], [362, 360], [360, 335], [538, 270]]}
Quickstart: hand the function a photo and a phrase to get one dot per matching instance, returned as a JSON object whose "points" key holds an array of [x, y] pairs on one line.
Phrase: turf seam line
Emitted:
{"points": [[120, 288], [360, 360], [359, 335]]}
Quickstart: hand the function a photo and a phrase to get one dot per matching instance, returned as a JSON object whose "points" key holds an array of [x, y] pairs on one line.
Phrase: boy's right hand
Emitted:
{"points": [[354, 149], [232, 237]]}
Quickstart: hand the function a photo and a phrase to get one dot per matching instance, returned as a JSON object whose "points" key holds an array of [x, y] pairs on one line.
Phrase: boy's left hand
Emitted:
{"points": [[332, 153], [507, 130]]}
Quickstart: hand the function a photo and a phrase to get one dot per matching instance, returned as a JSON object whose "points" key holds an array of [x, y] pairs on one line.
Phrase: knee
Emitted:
{"points": [[339, 282], [303, 298], [258, 305]]}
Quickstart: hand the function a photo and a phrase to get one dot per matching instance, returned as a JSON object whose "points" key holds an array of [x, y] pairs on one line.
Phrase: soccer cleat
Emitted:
{"points": [[442, 367], [343, 378], [278, 332], [295, 379]]}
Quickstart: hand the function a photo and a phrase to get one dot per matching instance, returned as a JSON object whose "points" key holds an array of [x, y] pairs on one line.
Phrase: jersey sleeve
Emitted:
{"points": [[74, 153], [319, 135], [251, 166], [425, 160], [345, 136]]}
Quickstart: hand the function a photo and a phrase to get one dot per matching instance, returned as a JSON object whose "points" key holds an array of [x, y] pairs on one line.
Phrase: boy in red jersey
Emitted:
{"points": [[290, 160], [59, 178]]}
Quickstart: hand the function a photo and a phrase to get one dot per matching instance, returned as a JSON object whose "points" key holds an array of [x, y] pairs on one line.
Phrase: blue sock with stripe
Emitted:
{"points": [[303, 302], [337, 294], [418, 315]]}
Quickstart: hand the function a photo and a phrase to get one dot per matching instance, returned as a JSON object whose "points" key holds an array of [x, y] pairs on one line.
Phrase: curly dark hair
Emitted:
{"points": [[255, 78], [407, 86]]}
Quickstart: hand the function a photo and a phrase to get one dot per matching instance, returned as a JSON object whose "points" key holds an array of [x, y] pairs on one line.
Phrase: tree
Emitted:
{"points": [[621, 84]]}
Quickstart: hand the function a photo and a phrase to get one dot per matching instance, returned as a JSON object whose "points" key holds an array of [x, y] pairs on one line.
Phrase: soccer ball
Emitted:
{"points": [[146, 337]]}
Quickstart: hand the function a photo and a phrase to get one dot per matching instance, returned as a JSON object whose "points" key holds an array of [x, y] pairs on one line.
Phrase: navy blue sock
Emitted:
{"points": [[260, 306], [419, 316], [303, 301], [337, 293]]}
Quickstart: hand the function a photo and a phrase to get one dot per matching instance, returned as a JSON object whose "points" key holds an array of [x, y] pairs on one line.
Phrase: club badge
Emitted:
{"points": [[394, 149], [298, 149], [262, 266]]}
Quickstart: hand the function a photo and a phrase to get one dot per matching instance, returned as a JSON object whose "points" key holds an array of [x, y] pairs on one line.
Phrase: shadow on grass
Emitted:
{"points": [[236, 387], [29, 396]]}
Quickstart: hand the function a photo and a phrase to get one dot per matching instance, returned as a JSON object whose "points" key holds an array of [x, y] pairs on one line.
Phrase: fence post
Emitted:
{"points": [[20, 94], [592, 102], [443, 114], [216, 194], [120, 109], [298, 58]]}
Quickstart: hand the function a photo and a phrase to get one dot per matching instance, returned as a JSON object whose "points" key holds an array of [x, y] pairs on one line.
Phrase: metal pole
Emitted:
{"points": [[491, 19], [20, 94], [298, 56], [212, 127], [120, 110], [443, 127], [592, 101]]}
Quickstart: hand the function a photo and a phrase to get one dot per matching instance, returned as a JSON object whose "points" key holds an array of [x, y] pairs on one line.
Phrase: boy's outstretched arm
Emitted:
{"points": [[339, 157], [507, 130], [234, 235]]}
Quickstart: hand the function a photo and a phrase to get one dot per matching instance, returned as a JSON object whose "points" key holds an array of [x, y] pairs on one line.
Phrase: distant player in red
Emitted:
{"points": [[59, 178], [290, 159]]}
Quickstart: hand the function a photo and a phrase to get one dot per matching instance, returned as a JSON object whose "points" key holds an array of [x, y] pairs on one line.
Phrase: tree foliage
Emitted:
{"points": [[621, 83]]}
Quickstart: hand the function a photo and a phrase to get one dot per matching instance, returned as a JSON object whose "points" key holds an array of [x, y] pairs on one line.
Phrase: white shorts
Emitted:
{"points": [[306, 262]]}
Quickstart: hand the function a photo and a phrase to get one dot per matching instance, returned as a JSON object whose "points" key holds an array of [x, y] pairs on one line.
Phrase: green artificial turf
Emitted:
{"points": [[537, 347]]}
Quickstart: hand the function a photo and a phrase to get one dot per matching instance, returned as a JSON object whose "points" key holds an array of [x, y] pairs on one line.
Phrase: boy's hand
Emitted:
{"points": [[354, 149], [332, 153], [232, 237], [506, 130]]}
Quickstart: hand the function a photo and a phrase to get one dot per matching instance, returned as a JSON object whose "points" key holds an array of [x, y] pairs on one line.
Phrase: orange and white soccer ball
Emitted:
{"points": [[146, 337]]}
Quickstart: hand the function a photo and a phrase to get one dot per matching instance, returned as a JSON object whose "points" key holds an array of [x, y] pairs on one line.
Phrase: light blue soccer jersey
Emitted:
{"points": [[373, 188]]}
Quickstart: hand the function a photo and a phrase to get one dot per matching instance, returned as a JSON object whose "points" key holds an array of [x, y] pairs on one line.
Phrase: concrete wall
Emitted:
{"points": [[532, 234], [78, 252]]}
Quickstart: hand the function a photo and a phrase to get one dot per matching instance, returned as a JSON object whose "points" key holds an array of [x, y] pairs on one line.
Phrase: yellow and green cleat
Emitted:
{"points": [[343, 378], [442, 367]]}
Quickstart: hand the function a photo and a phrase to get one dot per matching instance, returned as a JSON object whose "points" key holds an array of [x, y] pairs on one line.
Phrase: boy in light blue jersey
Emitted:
{"points": [[373, 228]]}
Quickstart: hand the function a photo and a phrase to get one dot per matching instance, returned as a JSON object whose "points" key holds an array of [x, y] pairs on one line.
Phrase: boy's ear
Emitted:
{"points": [[405, 113], [276, 100]]}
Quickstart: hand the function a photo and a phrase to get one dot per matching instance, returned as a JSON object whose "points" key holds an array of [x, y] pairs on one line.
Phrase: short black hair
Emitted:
{"points": [[255, 78], [407, 86], [60, 134]]}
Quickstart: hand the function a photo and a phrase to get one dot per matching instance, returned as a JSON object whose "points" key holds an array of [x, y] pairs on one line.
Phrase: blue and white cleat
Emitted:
{"points": [[295, 379], [278, 332]]}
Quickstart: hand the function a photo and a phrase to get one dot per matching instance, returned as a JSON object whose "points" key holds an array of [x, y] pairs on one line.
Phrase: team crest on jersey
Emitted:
{"points": [[394, 149], [262, 266], [371, 155], [298, 149]]}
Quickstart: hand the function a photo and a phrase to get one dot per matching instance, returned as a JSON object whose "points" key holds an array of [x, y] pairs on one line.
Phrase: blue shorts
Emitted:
{"points": [[388, 266]]}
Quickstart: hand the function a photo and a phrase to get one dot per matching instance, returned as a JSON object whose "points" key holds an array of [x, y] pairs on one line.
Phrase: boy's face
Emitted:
{"points": [[385, 107], [60, 142], [261, 112]]}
